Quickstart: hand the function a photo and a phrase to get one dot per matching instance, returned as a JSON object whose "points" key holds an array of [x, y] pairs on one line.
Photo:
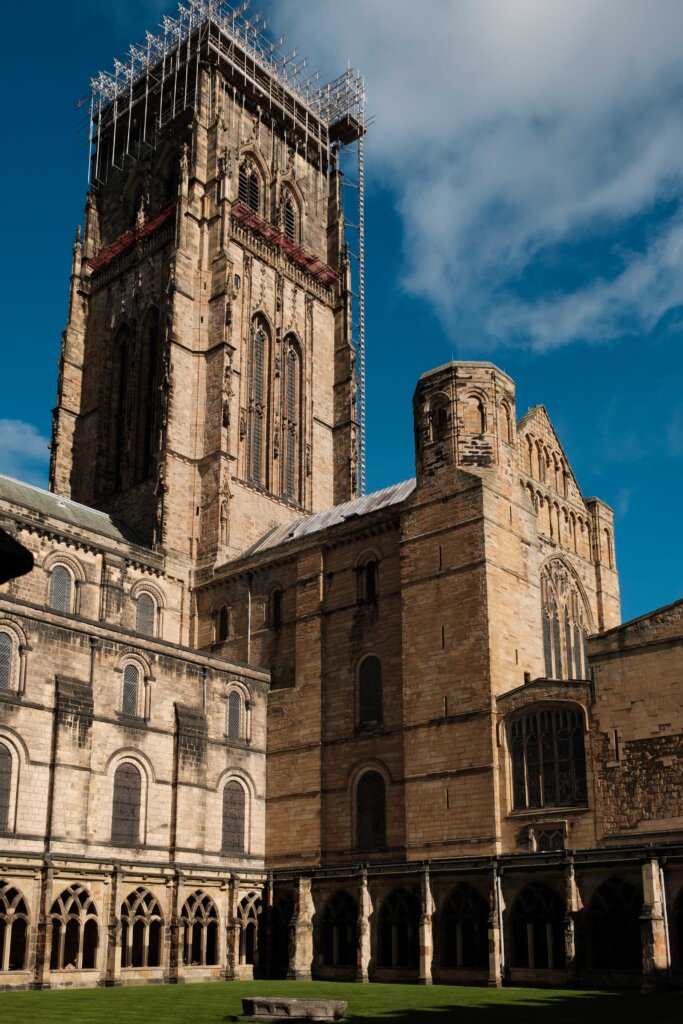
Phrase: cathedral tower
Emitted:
{"points": [[207, 377]]}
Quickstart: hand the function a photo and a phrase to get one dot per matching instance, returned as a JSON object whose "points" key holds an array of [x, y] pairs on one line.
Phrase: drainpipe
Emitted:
{"points": [[499, 894], [665, 916]]}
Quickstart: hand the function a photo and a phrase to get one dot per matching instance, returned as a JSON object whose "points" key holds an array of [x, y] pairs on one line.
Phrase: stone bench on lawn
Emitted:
{"points": [[270, 1008]]}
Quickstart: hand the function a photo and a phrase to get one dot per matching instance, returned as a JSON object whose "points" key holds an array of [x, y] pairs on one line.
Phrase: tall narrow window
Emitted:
{"points": [[60, 589], [291, 451], [131, 687], [145, 413], [258, 405], [5, 786], [13, 928], [538, 928], [370, 691], [371, 812], [235, 705], [233, 818], [564, 618], [474, 415], [5, 661], [398, 930], [548, 759], [290, 219], [222, 624], [145, 615], [438, 418], [276, 608], [338, 931], [613, 920], [464, 929], [118, 410], [250, 186], [248, 915], [141, 930], [125, 822], [368, 581]]}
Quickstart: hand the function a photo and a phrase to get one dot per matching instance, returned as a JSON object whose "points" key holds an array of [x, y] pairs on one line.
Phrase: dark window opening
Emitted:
{"points": [[13, 928], [370, 691], [141, 930], [338, 931], [369, 581], [276, 605], [75, 931], [538, 928], [199, 927], [399, 930], [371, 812], [613, 921], [222, 624], [464, 930]]}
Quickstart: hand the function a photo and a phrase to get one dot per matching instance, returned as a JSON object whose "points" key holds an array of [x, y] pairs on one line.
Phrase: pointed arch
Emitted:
{"points": [[259, 403], [566, 620], [463, 931], [251, 182], [14, 922], [537, 919], [338, 930], [248, 914], [613, 920], [141, 930], [292, 391], [75, 930], [199, 930]]}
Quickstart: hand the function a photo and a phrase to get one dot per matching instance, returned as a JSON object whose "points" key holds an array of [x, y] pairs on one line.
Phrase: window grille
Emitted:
{"points": [[233, 818], [75, 931], [234, 716], [13, 928], [371, 812], [249, 186], [548, 759], [141, 930], [5, 786], [370, 691], [60, 589], [290, 220], [145, 615], [125, 823], [199, 924], [129, 702], [5, 661]]}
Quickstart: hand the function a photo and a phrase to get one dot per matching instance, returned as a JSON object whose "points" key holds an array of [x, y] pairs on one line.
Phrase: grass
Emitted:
{"points": [[217, 1003]]}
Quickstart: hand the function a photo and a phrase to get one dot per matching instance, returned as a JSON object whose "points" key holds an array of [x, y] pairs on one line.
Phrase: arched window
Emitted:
{"points": [[125, 819], [399, 930], [338, 931], [130, 697], [614, 927], [250, 185], [538, 928], [259, 391], [5, 786], [5, 661], [61, 585], [506, 423], [565, 619], [290, 219], [276, 608], [368, 581], [141, 930], [474, 415], [370, 691], [234, 808], [145, 615], [199, 923], [464, 929], [13, 928], [235, 715], [371, 812], [222, 624], [609, 554], [438, 418], [75, 931], [248, 913], [548, 758], [291, 421]]}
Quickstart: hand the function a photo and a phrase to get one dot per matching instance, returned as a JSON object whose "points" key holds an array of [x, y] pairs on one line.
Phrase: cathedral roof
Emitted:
{"points": [[42, 502], [393, 495]]}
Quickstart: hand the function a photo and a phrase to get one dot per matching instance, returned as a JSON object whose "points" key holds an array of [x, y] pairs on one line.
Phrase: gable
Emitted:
{"points": [[542, 456]]}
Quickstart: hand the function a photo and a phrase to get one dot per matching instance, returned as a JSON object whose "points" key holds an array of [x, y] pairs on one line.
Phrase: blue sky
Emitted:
{"points": [[525, 172]]}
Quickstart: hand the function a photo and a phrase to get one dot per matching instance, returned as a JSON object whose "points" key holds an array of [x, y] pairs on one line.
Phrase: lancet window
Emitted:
{"points": [[259, 379], [250, 185], [291, 421], [565, 624]]}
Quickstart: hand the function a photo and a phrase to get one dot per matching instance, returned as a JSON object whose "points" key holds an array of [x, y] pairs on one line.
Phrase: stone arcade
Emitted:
{"points": [[254, 723]]}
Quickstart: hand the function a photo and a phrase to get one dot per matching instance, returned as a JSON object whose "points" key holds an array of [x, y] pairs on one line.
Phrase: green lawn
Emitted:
{"points": [[393, 1004]]}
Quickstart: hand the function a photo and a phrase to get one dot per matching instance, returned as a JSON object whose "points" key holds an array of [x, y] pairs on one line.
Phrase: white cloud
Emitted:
{"points": [[23, 452], [506, 128]]}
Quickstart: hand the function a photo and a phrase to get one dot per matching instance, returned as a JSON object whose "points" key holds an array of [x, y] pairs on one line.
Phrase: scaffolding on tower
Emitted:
{"points": [[158, 80]]}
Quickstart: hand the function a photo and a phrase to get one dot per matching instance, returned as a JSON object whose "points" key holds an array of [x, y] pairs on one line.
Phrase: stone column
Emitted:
{"points": [[112, 952], [364, 947], [232, 935], [656, 962], [572, 905], [173, 952], [43, 930], [301, 933], [426, 935], [496, 965]]}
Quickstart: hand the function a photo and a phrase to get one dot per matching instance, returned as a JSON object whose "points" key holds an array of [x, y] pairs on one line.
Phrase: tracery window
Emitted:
{"points": [[199, 923], [291, 421], [235, 715], [565, 623], [5, 661], [338, 931], [548, 758], [75, 930], [464, 929], [259, 390], [613, 920], [145, 614], [5, 786], [13, 928], [61, 586], [130, 696], [234, 813], [371, 812], [248, 912], [141, 930], [538, 928], [370, 690], [399, 930], [125, 820], [250, 185]]}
